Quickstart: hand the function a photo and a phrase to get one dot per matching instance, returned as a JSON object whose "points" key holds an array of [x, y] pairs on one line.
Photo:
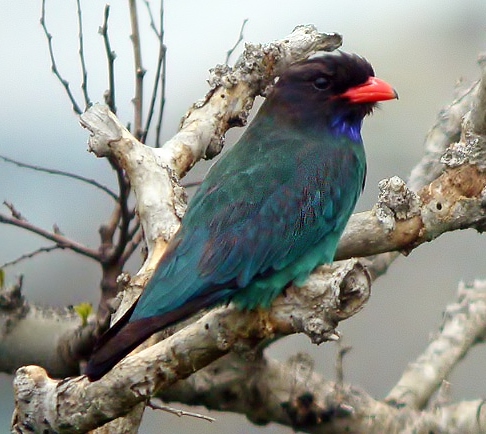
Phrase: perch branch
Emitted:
{"points": [[260, 388], [339, 291]]}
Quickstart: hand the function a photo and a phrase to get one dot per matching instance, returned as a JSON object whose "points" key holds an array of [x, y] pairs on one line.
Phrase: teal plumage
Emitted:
{"points": [[270, 210]]}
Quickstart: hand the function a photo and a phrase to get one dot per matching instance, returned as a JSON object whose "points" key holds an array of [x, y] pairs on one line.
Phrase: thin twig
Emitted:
{"points": [[62, 241], [179, 412], [15, 213], [61, 173], [110, 57], [339, 364], [54, 69], [132, 245], [30, 255], [139, 71], [84, 83], [125, 216], [151, 16], [158, 129], [159, 75], [230, 52]]}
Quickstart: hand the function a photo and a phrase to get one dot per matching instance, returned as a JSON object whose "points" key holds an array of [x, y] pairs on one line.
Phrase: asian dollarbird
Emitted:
{"points": [[270, 210]]}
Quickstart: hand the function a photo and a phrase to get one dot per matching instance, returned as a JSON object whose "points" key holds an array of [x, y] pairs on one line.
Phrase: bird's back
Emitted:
{"points": [[270, 211]]}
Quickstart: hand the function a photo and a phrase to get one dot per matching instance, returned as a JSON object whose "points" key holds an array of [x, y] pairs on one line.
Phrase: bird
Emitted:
{"points": [[270, 210]]}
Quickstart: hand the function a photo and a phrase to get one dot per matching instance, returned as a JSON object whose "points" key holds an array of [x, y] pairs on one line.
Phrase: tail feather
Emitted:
{"points": [[125, 336], [118, 345]]}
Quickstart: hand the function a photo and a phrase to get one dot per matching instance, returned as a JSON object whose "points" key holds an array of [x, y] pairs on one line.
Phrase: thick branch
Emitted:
{"points": [[464, 325], [446, 130], [293, 395], [30, 334], [333, 294], [232, 92]]}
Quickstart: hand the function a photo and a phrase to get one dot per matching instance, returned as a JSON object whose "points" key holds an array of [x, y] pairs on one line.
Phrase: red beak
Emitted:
{"points": [[373, 90]]}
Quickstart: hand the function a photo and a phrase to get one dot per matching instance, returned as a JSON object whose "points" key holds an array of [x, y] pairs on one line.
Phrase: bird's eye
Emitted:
{"points": [[321, 83]]}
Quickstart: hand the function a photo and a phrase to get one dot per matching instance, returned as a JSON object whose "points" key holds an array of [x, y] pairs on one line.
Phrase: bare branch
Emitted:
{"points": [[159, 77], [339, 291], [179, 412], [264, 390], [230, 52], [61, 241], [84, 83], [54, 68], [478, 117], [89, 181], [153, 26], [34, 333], [125, 216], [14, 211], [135, 236], [139, 71], [158, 129], [110, 57], [446, 130], [463, 326], [30, 255], [267, 391], [405, 220]]}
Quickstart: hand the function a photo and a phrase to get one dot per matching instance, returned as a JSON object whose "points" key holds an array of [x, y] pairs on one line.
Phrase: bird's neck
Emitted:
{"points": [[334, 121], [349, 127]]}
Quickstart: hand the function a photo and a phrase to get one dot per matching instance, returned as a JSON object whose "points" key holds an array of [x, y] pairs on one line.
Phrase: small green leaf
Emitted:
{"points": [[84, 310], [2, 278]]}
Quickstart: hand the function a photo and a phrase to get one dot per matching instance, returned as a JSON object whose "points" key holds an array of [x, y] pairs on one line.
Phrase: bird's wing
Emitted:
{"points": [[250, 218]]}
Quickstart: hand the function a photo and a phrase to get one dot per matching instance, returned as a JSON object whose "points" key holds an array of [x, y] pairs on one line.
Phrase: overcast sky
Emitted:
{"points": [[421, 48]]}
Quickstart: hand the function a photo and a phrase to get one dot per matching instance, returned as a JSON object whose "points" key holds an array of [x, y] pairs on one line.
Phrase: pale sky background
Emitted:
{"points": [[421, 48]]}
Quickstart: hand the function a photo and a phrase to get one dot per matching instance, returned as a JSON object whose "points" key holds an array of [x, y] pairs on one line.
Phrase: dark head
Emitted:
{"points": [[337, 90]]}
